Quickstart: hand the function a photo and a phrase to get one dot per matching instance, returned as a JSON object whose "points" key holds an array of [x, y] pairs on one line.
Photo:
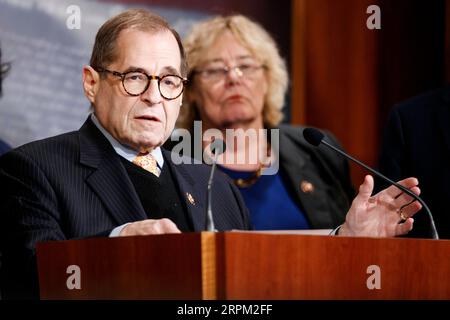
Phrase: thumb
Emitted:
{"points": [[365, 190]]}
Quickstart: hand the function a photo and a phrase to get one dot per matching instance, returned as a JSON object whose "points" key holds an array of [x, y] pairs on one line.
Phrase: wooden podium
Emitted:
{"points": [[245, 265]]}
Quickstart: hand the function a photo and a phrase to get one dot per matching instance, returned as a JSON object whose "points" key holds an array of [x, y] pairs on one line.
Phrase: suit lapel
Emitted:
{"points": [[109, 179], [307, 186], [192, 197]]}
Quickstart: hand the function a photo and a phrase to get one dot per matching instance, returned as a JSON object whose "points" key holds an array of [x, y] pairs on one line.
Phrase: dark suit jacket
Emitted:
{"points": [[74, 186], [327, 205], [417, 143]]}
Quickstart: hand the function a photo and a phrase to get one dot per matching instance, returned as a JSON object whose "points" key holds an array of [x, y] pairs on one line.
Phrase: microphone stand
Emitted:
{"points": [[209, 216]]}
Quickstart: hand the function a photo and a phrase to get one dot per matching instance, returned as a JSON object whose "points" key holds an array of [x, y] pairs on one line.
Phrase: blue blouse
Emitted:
{"points": [[270, 202]]}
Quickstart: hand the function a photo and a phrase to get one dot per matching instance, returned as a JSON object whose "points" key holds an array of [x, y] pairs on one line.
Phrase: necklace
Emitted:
{"points": [[247, 182]]}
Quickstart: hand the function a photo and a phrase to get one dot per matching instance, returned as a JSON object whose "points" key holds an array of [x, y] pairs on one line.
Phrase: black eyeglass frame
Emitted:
{"points": [[149, 78]]}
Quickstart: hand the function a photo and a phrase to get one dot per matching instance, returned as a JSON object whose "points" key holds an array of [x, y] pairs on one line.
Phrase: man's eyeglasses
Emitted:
{"points": [[218, 74], [136, 83]]}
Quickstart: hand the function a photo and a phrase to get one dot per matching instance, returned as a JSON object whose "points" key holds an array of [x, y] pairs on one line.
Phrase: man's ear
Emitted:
{"points": [[91, 79]]}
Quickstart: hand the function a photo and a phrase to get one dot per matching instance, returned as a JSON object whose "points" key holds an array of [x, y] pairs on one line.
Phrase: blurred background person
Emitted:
{"points": [[238, 80], [4, 68], [417, 143]]}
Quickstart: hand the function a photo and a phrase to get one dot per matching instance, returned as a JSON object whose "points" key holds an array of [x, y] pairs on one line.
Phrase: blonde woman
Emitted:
{"points": [[237, 80]]}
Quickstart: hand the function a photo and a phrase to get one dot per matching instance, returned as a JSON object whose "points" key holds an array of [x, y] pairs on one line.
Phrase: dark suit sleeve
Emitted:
{"points": [[391, 162], [29, 211]]}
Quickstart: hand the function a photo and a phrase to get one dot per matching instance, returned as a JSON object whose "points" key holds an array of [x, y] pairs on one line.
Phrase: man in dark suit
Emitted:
{"points": [[86, 183], [111, 178], [417, 143]]}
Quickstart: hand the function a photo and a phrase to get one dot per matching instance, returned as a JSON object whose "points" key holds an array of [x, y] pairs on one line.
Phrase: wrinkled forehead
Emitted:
{"points": [[226, 48], [148, 51]]}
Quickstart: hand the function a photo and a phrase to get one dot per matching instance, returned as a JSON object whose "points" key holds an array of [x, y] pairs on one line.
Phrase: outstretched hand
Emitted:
{"points": [[386, 214]]}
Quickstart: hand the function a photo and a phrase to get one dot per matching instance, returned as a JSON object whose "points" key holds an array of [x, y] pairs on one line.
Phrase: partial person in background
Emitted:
{"points": [[4, 68], [237, 80], [417, 143]]}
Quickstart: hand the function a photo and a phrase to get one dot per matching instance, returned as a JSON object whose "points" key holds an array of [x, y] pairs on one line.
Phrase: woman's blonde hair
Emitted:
{"points": [[261, 45]]}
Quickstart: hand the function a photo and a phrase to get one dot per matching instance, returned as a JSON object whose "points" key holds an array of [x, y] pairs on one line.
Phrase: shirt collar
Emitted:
{"points": [[126, 151]]}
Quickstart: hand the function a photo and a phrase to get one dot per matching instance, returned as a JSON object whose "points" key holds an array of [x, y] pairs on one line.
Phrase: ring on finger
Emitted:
{"points": [[403, 216]]}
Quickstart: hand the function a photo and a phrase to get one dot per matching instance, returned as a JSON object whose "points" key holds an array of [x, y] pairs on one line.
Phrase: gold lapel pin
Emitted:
{"points": [[307, 187], [190, 198]]}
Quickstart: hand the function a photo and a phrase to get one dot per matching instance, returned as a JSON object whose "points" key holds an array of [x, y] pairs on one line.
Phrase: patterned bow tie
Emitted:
{"points": [[147, 162]]}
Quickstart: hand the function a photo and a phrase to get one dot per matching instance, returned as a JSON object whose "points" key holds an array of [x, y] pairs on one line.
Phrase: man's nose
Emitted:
{"points": [[152, 94]]}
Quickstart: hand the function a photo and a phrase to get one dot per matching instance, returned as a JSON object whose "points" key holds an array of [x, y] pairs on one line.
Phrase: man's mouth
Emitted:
{"points": [[148, 118]]}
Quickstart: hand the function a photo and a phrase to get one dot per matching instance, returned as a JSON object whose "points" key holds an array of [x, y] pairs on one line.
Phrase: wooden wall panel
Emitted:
{"points": [[346, 78], [335, 84], [412, 57]]}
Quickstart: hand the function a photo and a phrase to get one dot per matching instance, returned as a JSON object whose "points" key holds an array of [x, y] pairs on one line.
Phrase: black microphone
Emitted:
{"points": [[315, 137], [217, 147]]}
